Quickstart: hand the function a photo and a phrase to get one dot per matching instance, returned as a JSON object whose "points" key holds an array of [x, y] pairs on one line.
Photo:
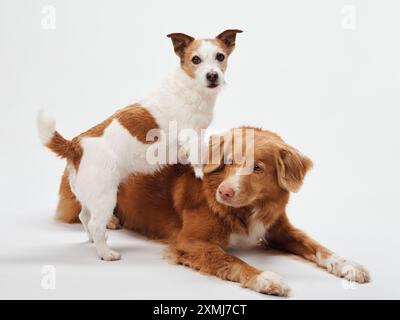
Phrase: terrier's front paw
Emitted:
{"points": [[184, 155], [347, 269], [270, 283], [198, 172]]}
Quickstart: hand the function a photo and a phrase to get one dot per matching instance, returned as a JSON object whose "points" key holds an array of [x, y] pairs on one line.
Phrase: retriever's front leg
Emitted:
{"points": [[285, 236], [212, 259]]}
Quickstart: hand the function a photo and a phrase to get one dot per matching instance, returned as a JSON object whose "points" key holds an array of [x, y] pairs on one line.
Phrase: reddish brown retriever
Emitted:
{"points": [[198, 219]]}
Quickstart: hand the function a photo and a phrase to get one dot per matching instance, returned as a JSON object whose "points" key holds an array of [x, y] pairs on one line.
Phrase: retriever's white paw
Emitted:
{"points": [[347, 269], [110, 255], [270, 283]]}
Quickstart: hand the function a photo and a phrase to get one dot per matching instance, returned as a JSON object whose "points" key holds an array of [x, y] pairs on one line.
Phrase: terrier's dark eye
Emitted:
{"points": [[257, 168], [220, 57], [196, 60]]}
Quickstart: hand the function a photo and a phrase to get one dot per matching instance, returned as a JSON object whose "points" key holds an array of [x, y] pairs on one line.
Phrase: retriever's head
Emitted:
{"points": [[261, 167]]}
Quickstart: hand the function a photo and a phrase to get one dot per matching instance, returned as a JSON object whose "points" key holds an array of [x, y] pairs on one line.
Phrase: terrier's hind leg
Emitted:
{"points": [[84, 217], [100, 214]]}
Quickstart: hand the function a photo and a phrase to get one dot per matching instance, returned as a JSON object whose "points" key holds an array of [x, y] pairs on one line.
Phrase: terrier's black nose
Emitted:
{"points": [[212, 76]]}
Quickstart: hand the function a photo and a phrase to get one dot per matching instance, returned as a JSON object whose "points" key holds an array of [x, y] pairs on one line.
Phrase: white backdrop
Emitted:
{"points": [[323, 74]]}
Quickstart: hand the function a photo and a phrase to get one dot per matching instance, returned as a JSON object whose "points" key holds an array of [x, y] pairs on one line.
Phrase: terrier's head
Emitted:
{"points": [[205, 60]]}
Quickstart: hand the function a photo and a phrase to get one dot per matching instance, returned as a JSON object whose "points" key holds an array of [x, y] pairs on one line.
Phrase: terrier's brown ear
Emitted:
{"points": [[292, 166], [180, 41], [228, 37]]}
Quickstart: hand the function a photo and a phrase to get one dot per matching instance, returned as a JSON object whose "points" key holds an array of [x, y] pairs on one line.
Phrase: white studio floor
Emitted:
{"points": [[38, 241]]}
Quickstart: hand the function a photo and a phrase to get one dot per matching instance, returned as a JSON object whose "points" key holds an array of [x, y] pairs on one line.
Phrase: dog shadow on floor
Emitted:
{"points": [[71, 247], [135, 249]]}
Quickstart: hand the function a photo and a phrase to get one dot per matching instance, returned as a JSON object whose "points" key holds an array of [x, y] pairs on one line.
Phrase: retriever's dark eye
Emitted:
{"points": [[257, 168], [220, 57], [196, 60]]}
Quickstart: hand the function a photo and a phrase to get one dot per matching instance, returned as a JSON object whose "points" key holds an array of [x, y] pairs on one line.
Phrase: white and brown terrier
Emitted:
{"points": [[102, 157]]}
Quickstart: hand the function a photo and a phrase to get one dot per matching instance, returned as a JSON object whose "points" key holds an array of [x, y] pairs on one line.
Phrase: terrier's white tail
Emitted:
{"points": [[46, 125], [64, 148]]}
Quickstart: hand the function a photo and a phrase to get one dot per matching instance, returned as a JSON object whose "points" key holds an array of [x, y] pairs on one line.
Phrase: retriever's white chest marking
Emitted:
{"points": [[256, 231]]}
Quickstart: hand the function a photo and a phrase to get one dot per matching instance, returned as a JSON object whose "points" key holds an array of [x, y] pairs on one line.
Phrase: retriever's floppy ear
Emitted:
{"points": [[292, 166], [219, 148], [180, 41], [228, 37], [215, 154]]}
